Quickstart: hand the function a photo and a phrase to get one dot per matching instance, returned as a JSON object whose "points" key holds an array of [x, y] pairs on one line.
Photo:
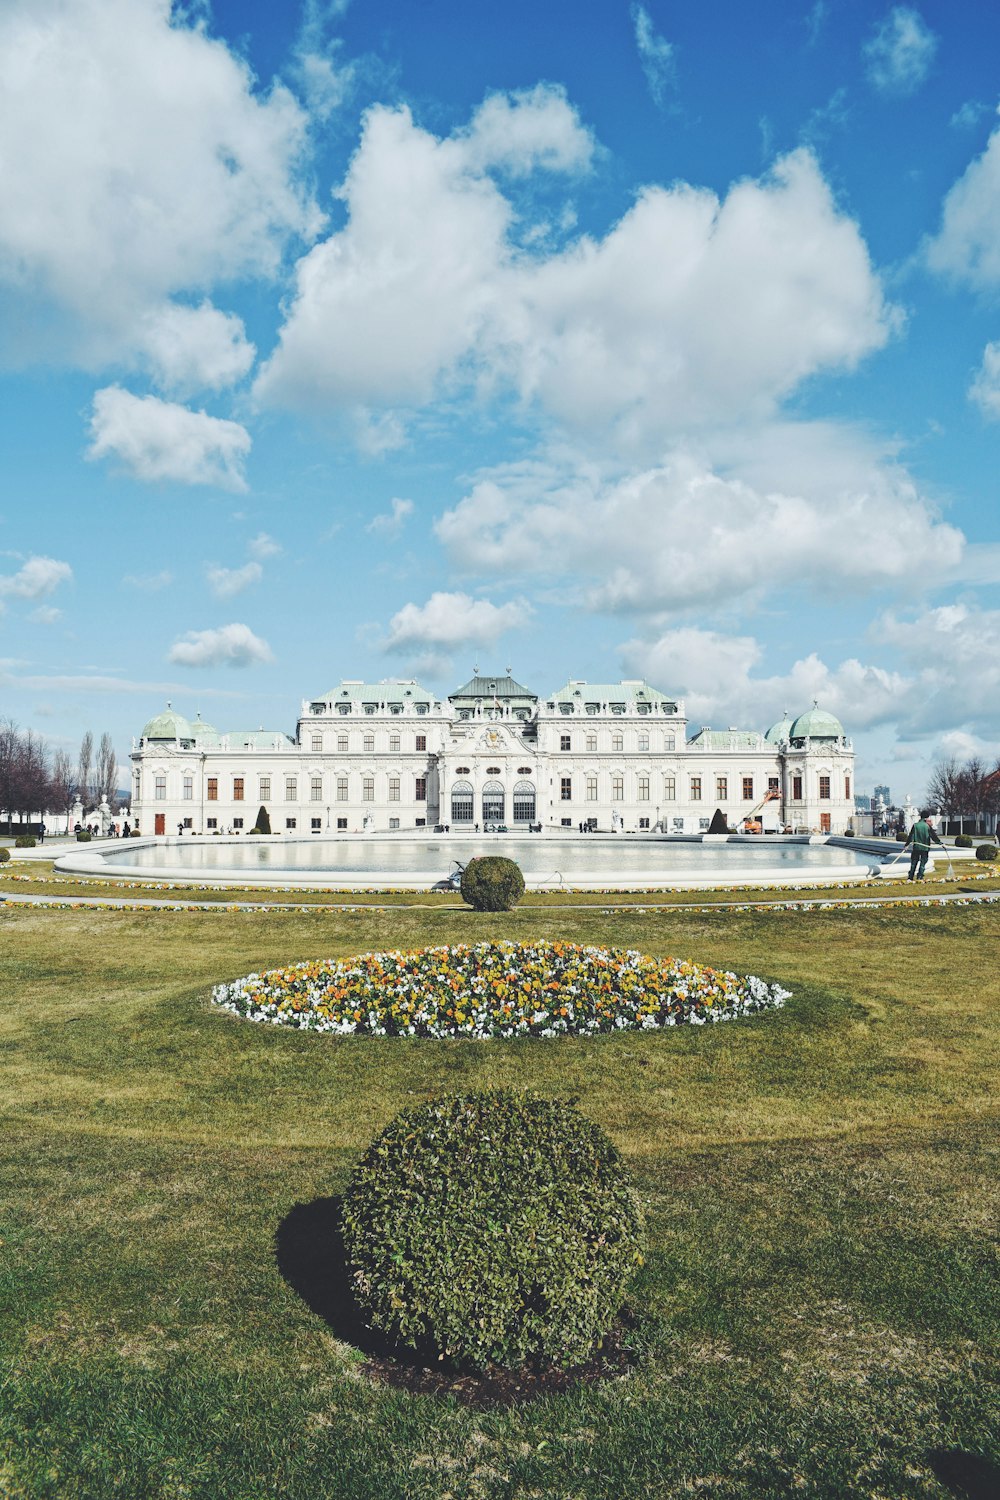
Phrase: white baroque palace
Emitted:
{"points": [[390, 755]]}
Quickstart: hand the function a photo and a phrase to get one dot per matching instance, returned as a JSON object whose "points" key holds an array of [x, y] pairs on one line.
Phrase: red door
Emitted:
{"points": [[160, 823]]}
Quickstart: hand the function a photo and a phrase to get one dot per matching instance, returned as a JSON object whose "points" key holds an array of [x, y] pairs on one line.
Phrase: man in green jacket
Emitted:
{"points": [[919, 840]]}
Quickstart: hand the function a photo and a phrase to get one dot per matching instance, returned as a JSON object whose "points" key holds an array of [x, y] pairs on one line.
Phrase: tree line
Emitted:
{"points": [[966, 790], [35, 779]]}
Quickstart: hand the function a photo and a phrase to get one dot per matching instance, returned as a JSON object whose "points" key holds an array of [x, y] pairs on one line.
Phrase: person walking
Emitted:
{"points": [[918, 841]]}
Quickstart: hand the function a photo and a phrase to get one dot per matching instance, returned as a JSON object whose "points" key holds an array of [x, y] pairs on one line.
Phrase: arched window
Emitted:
{"points": [[462, 802], [493, 802], [524, 802]]}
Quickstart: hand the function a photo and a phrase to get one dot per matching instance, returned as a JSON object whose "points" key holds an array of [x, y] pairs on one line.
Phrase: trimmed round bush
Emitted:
{"points": [[4, 855], [492, 1228], [963, 841], [24, 841], [492, 883], [986, 851], [83, 837]]}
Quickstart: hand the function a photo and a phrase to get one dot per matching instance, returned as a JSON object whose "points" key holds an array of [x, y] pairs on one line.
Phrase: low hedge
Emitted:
{"points": [[24, 841], [4, 855], [963, 841], [492, 883], [492, 1228], [986, 851], [83, 837]]}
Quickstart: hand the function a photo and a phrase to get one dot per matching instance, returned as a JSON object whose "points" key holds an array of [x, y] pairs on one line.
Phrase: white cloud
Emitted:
{"points": [[527, 131], [263, 546], [159, 440], [690, 310], [190, 348], [39, 577], [899, 54], [655, 53], [968, 244], [149, 583], [140, 162], [391, 522], [225, 583], [788, 511], [985, 388], [450, 620], [325, 80], [45, 614], [230, 646]]}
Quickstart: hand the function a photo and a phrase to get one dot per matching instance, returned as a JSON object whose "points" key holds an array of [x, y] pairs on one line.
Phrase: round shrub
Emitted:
{"points": [[492, 1228], [963, 841], [83, 837], [24, 841], [4, 856], [986, 851], [492, 883]]}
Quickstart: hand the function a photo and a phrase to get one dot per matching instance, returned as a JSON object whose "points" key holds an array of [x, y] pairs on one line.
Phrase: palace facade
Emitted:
{"points": [[390, 755]]}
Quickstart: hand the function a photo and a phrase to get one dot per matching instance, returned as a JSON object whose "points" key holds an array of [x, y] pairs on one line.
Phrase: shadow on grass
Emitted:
{"points": [[309, 1249], [966, 1474]]}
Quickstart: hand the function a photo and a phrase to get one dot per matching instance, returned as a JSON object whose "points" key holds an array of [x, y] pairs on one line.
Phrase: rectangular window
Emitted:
{"points": [[394, 744], [419, 822], [772, 784], [748, 789], [564, 742], [161, 789], [670, 742], [316, 745], [618, 789], [565, 822], [642, 789], [721, 788], [213, 789], [369, 744], [695, 788], [669, 788], [421, 791], [421, 742], [342, 789], [341, 824], [265, 788], [237, 788], [315, 789], [824, 788], [393, 788], [847, 789], [237, 823], [342, 744], [796, 788], [211, 823], [393, 823], [188, 788], [824, 822], [290, 823], [291, 788], [591, 743], [643, 741], [617, 742], [368, 789], [565, 789], [591, 788], [315, 825], [643, 823]]}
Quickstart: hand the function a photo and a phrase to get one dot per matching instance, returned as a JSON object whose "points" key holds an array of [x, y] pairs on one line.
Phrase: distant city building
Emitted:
{"points": [[882, 794], [391, 755], [863, 803]]}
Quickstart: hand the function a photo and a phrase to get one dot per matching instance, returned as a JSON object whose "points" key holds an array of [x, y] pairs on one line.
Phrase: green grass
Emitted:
{"points": [[817, 1314]]}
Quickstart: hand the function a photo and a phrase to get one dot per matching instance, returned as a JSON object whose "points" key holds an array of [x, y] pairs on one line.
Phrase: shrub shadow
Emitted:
{"points": [[309, 1249], [965, 1474]]}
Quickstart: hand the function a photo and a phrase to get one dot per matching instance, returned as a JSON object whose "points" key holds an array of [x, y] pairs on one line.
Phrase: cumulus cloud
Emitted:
{"points": [[149, 583], [228, 646], [324, 78], [391, 522], [899, 53], [655, 53], [689, 310], [526, 131], [985, 388], [668, 538], [159, 440], [39, 577], [263, 546], [140, 162], [967, 247], [225, 583], [450, 620]]}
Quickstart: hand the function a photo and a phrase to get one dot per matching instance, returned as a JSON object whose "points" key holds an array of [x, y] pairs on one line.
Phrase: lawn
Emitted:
{"points": [[817, 1314]]}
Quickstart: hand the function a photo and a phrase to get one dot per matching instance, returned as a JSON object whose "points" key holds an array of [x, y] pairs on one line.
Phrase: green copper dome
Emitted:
{"points": [[816, 724], [780, 731], [168, 726]]}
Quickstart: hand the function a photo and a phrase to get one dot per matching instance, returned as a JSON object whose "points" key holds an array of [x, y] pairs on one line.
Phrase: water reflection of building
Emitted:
{"points": [[391, 755]]}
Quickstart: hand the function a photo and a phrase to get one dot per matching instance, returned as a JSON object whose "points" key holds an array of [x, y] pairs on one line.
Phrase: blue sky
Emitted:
{"points": [[375, 339]]}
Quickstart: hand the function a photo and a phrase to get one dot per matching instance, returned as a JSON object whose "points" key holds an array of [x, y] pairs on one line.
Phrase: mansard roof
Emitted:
{"points": [[483, 689], [393, 691], [630, 690]]}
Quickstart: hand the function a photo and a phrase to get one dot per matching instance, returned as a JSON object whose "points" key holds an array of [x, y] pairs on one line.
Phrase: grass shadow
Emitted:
{"points": [[310, 1253]]}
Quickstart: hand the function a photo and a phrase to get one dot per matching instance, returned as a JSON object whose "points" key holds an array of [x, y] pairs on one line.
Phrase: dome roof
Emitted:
{"points": [[816, 724], [168, 726], [780, 731]]}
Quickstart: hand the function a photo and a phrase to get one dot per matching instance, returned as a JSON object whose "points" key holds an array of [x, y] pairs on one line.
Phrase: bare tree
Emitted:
{"points": [[943, 786], [106, 771], [62, 783], [10, 741], [83, 768], [31, 787]]}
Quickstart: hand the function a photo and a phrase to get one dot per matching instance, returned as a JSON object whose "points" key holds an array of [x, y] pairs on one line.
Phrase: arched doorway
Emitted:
{"points": [[524, 802], [494, 802], [463, 804]]}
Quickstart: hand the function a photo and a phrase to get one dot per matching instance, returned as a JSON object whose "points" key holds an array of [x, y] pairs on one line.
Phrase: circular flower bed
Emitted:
{"points": [[492, 990]]}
